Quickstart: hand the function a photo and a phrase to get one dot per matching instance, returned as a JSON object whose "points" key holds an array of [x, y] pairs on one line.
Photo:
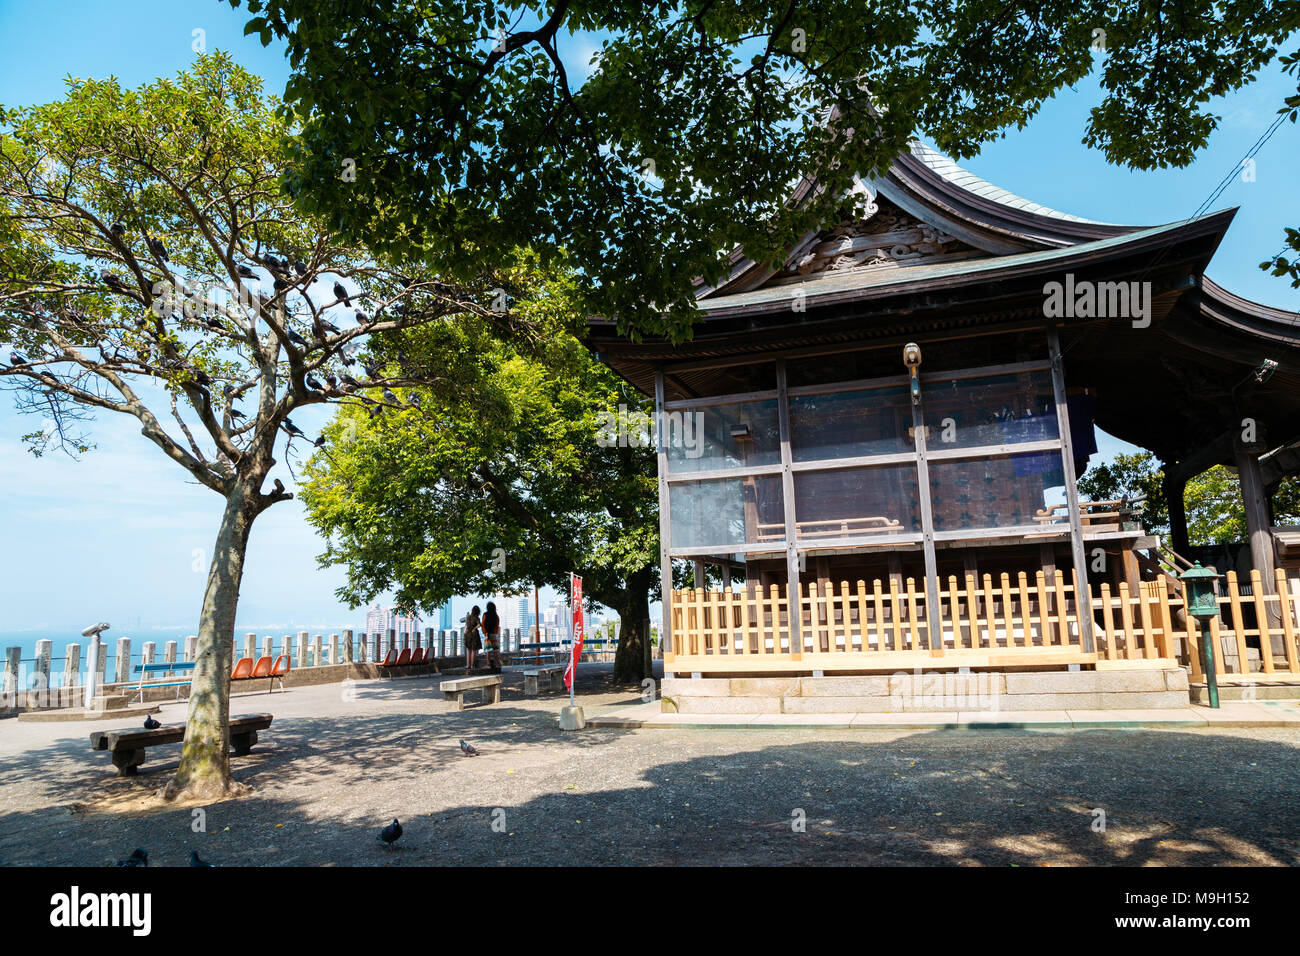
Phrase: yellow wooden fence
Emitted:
{"points": [[985, 621]]}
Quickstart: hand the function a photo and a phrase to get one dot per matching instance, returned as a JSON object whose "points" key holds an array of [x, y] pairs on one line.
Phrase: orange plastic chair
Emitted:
{"points": [[404, 658], [243, 669], [418, 656], [280, 668], [390, 659], [263, 667]]}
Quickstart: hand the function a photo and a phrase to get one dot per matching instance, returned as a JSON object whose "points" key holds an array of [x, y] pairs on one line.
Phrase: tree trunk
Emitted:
{"points": [[632, 660], [204, 771]]}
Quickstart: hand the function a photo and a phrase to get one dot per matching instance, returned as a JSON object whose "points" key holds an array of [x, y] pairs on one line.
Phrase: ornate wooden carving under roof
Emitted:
{"points": [[886, 237]]}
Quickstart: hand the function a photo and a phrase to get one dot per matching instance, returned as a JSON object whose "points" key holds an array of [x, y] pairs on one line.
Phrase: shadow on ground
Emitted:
{"points": [[536, 795]]}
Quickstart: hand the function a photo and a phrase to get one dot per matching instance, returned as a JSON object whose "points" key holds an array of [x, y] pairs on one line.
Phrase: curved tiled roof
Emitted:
{"points": [[965, 179]]}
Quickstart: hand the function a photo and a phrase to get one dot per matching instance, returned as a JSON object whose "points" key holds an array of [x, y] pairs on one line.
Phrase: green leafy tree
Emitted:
{"points": [[467, 133], [1129, 476], [151, 266], [1215, 511], [496, 476]]}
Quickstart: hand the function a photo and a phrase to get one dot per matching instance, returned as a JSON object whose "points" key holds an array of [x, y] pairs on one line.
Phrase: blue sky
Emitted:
{"points": [[118, 535]]}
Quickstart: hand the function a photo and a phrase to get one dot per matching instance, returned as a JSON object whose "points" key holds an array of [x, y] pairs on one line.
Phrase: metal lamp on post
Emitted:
{"points": [[1203, 604]]}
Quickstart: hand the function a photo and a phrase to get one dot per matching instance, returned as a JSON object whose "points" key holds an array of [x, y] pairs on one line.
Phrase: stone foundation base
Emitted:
{"points": [[929, 692]]}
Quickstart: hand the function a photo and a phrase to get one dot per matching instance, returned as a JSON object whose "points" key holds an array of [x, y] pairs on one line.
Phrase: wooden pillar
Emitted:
{"points": [[933, 603], [1252, 496], [665, 525], [1174, 485], [1083, 597], [794, 587], [1262, 556]]}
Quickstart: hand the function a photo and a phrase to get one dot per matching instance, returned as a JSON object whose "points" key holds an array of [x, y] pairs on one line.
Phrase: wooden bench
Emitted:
{"points": [[162, 671], [455, 689], [554, 674], [127, 746]]}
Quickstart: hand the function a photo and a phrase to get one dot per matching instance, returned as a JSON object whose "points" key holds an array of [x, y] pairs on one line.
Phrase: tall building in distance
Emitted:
{"points": [[381, 620], [515, 611], [445, 620]]}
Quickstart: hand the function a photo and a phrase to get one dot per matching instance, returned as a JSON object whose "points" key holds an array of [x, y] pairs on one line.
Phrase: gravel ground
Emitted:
{"points": [[331, 771]]}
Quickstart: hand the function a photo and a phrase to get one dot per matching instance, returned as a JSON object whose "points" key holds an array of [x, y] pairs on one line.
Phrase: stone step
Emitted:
{"points": [[110, 702]]}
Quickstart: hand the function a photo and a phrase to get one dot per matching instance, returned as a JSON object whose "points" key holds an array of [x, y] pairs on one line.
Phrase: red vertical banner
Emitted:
{"points": [[575, 601]]}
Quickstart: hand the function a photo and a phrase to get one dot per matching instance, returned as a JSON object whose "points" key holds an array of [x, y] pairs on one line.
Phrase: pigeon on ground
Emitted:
{"points": [[195, 861], [138, 857], [468, 749], [246, 272], [390, 833], [151, 724], [342, 293]]}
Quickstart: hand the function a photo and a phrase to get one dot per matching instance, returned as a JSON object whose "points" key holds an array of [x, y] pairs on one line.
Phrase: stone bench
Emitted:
{"points": [[127, 746], [455, 689], [554, 675]]}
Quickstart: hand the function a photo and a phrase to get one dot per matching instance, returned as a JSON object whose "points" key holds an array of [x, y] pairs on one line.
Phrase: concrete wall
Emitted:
{"points": [[934, 692]]}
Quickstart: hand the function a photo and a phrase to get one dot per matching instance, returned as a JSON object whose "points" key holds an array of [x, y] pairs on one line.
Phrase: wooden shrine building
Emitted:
{"points": [[873, 447]]}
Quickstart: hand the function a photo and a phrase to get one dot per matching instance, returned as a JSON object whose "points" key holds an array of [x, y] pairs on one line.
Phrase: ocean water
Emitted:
{"points": [[25, 641]]}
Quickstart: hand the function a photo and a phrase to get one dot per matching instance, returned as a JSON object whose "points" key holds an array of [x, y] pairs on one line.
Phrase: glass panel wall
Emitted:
{"points": [[716, 437], [998, 492], [857, 502], [851, 424], [990, 410], [727, 511]]}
